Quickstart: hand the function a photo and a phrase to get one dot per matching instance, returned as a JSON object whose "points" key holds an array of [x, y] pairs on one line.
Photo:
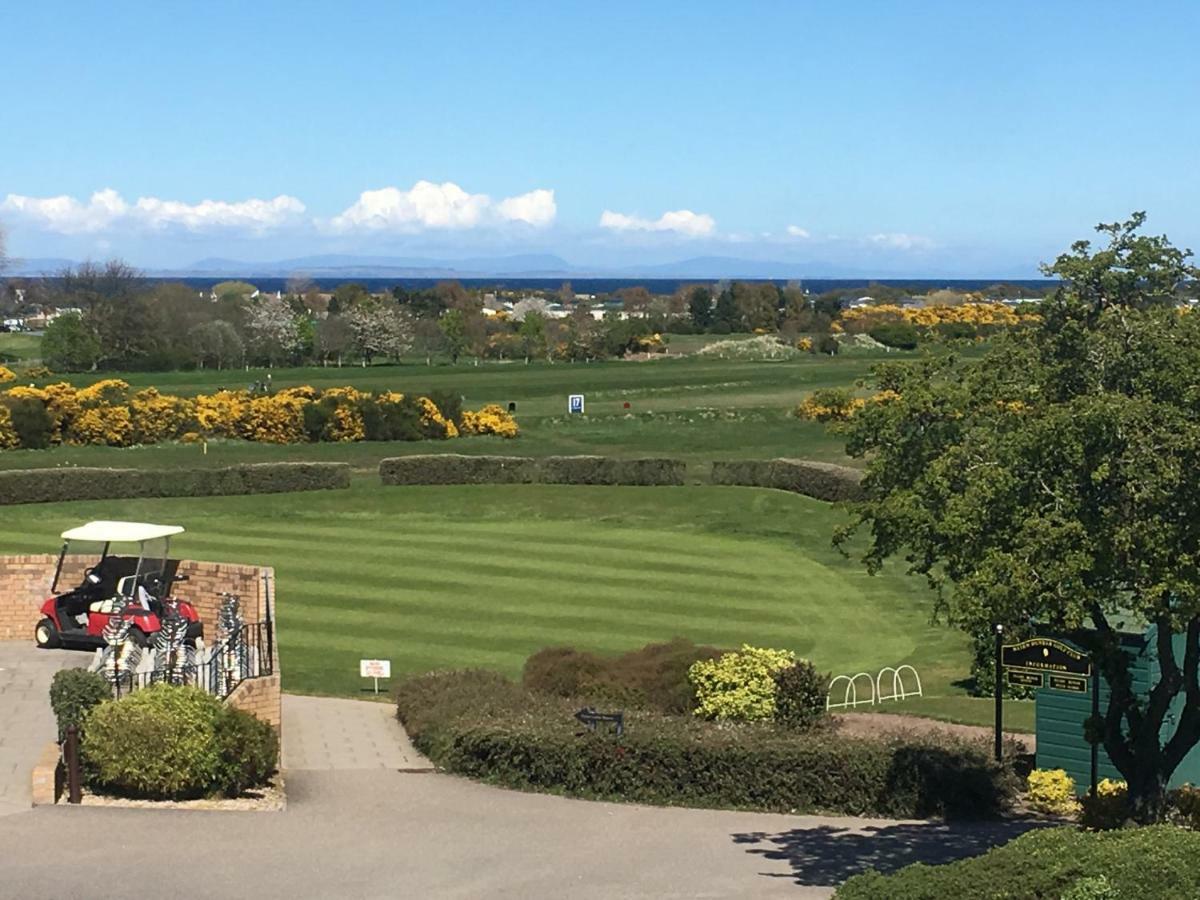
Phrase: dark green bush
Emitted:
{"points": [[249, 751], [80, 483], [451, 468], [800, 692], [1154, 863], [486, 727], [158, 743], [73, 694], [32, 422], [827, 344], [654, 677], [823, 481], [956, 331], [900, 335], [449, 404]]}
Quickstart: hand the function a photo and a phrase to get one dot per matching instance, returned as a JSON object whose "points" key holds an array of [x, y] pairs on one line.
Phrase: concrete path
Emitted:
{"points": [[330, 734], [26, 722]]}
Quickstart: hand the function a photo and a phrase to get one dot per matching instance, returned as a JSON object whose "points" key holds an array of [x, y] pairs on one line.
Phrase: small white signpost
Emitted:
{"points": [[375, 668], [575, 403]]}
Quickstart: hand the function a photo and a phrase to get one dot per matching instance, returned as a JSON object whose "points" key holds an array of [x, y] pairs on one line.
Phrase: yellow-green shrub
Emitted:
{"points": [[1051, 791], [492, 419], [1108, 809], [6, 374], [9, 439], [739, 686], [110, 425]]}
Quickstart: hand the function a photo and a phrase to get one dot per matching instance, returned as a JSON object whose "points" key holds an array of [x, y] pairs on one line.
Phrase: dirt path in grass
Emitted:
{"points": [[875, 724]]}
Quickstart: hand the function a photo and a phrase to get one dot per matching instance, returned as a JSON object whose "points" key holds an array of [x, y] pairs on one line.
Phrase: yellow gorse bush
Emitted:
{"points": [[739, 686], [106, 413], [1051, 791], [6, 374], [978, 314]]}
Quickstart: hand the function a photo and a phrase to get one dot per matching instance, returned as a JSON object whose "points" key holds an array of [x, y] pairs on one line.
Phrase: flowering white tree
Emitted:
{"points": [[380, 329], [271, 329]]}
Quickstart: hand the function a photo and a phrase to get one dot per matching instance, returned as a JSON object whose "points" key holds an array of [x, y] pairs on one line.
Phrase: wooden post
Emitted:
{"points": [[999, 692], [71, 752]]}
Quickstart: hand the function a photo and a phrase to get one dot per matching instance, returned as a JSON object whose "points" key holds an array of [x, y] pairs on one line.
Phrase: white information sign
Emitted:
{"points": [[375, 668], [575, 403]]}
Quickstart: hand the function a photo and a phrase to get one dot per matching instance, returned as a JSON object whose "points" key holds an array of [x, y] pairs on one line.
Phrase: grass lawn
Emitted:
{"points": [[693, 408], [19, 347], [441, 577]]}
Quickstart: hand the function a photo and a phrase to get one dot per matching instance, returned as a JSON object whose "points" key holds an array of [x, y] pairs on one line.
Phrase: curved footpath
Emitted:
{"points": [[365, 818]]}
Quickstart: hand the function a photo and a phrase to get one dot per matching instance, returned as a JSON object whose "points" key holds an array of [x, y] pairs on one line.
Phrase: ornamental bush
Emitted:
{"points": [[800, 692], [73, 694], [158, 743], [1107, 809], [1051, 791], [249, 751], [481, 725], [739, 686], [1152, 863]]}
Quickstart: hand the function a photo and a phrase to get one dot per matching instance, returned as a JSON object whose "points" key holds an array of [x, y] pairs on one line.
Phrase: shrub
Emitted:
{"points": [[73, 694], [249, 751], [822, 481], [1154, 863], [450, 468], [900, 335], [1051, 791], [654, 677], [158, 743], [830, 405], [827, 344], [800, 695], [739, 686], [31, 421], [449, 404], [481, 725], [80, 483], [1183, 805], [1107, 809]]}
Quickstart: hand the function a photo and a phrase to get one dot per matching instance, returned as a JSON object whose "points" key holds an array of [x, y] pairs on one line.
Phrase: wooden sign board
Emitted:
{"points": [[1042, 654]]}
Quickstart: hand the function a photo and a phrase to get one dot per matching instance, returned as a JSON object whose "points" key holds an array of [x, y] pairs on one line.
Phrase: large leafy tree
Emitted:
{"points": [[1054, 482]]}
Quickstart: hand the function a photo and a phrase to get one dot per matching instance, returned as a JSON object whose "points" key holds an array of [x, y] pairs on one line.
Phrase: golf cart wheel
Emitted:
{"points": [[139, 637], [45, 634]]}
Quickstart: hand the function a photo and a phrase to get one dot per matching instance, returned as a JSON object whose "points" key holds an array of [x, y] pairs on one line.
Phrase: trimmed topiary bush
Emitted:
{"points": [[249, 751], [1153, 863], [483, 726], [158, 743], [822, 481], [73, 694], [80, 483]]}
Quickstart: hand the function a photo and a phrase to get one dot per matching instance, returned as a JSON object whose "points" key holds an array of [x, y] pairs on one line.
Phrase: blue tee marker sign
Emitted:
{"points": [[575, 403]]}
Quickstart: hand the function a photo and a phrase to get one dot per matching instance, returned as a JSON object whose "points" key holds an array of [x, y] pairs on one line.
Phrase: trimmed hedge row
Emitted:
{"points": [[82, 483], [481, 725], [453, 468], [1155, 863], [822, 481]]}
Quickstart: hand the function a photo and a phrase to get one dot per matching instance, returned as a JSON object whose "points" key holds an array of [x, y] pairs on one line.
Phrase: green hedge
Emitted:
{"points": [[480, 725], [81, 483], [452, 468], [1155, 863], [823, 481]]}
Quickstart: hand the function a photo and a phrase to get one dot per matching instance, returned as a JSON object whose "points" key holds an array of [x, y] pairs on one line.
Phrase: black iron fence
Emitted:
{"points": [[245, 654]]}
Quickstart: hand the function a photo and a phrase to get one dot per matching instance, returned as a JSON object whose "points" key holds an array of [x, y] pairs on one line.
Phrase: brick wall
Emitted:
{"points": [[25, 585]]}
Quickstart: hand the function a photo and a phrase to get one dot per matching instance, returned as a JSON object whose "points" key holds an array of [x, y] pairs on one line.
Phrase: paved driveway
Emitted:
{"points": [[26, 722]]}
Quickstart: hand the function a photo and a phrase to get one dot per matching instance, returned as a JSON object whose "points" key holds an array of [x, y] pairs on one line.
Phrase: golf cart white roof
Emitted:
{"points": [[120, 532]]}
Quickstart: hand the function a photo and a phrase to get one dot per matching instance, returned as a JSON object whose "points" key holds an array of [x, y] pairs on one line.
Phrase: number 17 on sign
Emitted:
{"points": [[575, 403]]}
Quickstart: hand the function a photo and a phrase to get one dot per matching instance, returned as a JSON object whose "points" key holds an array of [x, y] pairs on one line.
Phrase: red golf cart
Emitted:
{"points": [[133, 586]]}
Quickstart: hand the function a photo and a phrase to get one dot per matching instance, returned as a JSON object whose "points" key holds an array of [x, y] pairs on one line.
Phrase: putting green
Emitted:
{"points": [[440, 577]]}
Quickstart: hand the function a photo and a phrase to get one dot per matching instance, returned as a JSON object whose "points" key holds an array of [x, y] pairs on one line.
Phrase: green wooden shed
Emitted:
{"points": [[1061, 715]]}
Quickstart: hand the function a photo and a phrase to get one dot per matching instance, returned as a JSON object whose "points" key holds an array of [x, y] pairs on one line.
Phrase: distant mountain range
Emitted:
{"points": [[534, 265]]}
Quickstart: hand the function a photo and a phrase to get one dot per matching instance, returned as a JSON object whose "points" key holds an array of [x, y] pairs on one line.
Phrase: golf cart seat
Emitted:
{"points": [[104, 607]]}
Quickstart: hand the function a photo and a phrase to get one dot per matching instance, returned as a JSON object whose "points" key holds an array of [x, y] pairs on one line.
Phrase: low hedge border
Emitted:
{"points": [[480, 725], [822, 481], [453, 468], [83, 483], [1155, 863]]}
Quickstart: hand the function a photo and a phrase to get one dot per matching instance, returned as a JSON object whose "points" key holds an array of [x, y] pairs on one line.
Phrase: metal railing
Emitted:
{"points": [[244, 655]]}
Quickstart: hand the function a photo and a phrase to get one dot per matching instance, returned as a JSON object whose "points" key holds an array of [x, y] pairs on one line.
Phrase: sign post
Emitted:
{"points": [[999, 692], [575, 403], [375, 668]]}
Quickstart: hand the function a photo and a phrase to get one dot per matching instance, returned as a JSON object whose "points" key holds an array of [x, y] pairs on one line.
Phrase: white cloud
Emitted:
{"points": [[107, 209], [680, 221], [797, 232], [446, 205], [902, 241]]}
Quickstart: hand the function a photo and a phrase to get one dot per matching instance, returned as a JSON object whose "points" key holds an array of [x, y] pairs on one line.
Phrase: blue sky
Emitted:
{"points": [[898, 138]]}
